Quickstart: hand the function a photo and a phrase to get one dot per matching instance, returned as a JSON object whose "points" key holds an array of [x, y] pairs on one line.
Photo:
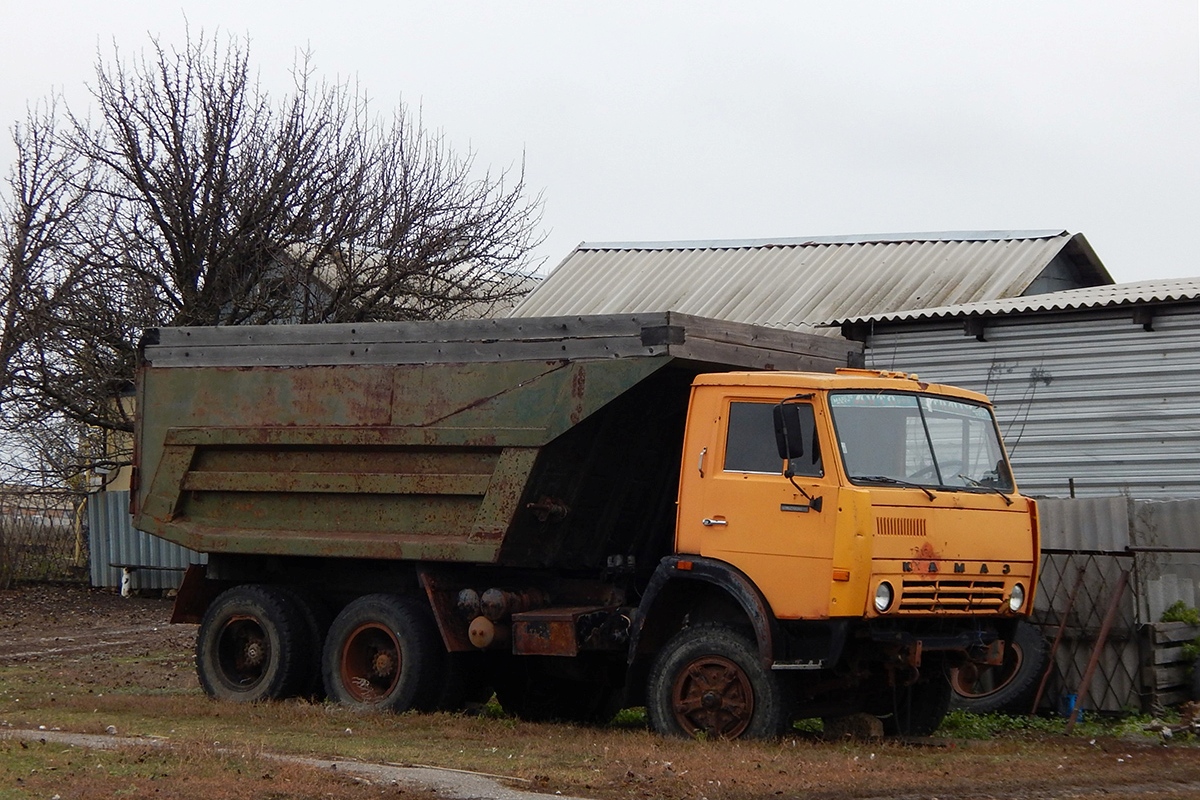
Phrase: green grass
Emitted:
{"points": [[965, 725]]}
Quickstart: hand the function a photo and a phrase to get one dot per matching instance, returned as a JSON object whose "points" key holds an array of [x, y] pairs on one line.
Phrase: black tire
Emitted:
{"points": [[317, 619], [709, 681], [917, 710], [1196, 679], [252, 646], [463, 684], [383, 653], [1009, 687], [536, 689]]}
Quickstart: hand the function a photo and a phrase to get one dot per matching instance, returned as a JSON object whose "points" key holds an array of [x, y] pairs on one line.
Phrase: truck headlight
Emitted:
{"points": [[1017, 598], [883, 597]]}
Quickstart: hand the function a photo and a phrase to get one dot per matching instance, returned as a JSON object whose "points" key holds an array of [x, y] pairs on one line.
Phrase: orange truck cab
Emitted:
{"points": [[877, 520]]}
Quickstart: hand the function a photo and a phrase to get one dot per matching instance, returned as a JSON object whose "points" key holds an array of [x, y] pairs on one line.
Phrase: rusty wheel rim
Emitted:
{"points": [[243, 651], [980, 680], [371, 663], [712, 695]]}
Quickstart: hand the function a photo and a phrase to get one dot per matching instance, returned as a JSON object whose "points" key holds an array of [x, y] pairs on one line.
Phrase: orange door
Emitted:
{"points": [[747, 513]]}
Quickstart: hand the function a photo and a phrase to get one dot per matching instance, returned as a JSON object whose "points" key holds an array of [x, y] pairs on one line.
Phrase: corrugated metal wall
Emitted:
{"points": [[114, 544], [1089, 396], [1166, 539]]}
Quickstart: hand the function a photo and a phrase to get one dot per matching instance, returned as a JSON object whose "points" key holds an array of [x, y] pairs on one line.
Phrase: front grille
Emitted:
{"points": [[949, 596]]}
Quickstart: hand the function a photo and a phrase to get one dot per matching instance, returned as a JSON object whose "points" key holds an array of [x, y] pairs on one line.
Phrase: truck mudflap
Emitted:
{"points": [[195, 595], [714, 572]]}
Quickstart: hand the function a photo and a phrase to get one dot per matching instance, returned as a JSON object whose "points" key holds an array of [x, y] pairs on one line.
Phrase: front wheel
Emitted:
{"points": [[710, 681], [383, 653]]}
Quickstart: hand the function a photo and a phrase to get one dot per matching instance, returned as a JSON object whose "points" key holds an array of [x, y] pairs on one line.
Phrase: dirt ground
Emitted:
{"points": [[96, 640], [91, 628]]}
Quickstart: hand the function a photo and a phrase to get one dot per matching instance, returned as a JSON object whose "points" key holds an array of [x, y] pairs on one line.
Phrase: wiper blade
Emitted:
{"points": [[894, 482], [981, 485]]}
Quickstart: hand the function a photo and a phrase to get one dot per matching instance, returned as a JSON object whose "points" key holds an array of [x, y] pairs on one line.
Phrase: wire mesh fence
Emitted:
{"points": [[1076, 592], [43, 536], [1133, 558]]}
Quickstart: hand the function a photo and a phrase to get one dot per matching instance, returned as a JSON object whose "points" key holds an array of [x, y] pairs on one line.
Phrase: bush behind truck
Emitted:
{"points": [[580, 514]]}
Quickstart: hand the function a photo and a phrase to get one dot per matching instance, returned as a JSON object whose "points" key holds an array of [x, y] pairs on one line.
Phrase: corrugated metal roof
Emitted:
{"points": [[1158, 291], [800, 282], [856, 238]]}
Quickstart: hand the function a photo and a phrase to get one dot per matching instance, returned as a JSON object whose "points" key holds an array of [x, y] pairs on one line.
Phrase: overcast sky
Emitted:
{"points": [[691, 120]]}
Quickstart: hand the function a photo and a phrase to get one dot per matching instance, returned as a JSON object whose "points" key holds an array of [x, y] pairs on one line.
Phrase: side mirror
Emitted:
{"points": [[789, 434], [789, 438]]}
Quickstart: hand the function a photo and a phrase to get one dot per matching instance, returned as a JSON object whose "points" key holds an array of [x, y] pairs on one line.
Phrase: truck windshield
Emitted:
{"points": [[925, 440]]}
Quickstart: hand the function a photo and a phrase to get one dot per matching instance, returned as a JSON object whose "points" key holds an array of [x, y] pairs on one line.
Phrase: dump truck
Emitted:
{"points": [[732, 526]]}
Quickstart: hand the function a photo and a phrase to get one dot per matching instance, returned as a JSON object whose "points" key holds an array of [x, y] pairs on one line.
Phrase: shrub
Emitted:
{"points": [[1181, 612]]}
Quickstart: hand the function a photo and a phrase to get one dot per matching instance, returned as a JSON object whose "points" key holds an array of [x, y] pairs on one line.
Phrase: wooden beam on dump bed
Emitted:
{"points": [[659, 334]]}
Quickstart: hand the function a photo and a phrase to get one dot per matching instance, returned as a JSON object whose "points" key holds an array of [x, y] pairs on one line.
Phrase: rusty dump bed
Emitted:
{"points": [[528, 442]]}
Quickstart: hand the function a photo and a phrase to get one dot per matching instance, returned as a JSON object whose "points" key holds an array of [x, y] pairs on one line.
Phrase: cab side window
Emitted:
{"points": [[750, 441]]}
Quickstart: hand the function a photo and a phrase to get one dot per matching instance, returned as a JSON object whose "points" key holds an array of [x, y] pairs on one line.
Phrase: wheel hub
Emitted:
{"points": [[253, 654], [383, 664], [371, 663], [713, 696], [973, 680], [243, 652]]}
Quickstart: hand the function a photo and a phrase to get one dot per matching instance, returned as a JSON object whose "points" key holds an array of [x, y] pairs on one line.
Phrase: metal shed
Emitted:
{"points": [[126, 558], [1097, 390]]}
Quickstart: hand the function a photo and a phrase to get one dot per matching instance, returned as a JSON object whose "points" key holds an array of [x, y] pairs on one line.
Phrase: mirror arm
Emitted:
{"points": [[813, 502]]}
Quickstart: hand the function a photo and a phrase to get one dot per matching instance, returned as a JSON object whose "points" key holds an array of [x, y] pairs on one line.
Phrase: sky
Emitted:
{"points": [[651, 121]]}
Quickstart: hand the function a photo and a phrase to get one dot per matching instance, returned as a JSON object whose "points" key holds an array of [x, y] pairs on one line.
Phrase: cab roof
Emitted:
{"points": [[843, 379]]}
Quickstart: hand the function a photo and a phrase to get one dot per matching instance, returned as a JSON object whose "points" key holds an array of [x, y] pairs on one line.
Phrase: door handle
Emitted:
{"points": [[708, 523]]}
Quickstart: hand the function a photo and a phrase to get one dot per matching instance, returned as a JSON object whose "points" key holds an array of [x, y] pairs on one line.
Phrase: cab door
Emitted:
{"points": [[747, 513]]}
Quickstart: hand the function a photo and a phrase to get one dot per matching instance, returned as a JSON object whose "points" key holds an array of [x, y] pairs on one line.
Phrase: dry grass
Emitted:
{"points": [[45, 770], [149, 690], [609, 762]]}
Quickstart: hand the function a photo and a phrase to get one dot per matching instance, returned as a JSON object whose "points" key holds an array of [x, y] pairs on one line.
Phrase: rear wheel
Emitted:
{"points": [[463, 683], [383, 653], [1007, 687], [317, 618], [543, 688], [710, 681], [252, 645], [916, 710]]}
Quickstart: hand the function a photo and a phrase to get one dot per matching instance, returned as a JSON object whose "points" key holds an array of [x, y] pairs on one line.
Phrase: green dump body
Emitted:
{"points": [[523, 442]]}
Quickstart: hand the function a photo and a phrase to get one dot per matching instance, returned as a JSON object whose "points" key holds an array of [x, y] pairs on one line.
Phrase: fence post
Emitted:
{"points": [[1086, 683]]}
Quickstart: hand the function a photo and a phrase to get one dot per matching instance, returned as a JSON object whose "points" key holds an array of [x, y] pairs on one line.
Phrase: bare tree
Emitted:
{"points": [[196, 198]]}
